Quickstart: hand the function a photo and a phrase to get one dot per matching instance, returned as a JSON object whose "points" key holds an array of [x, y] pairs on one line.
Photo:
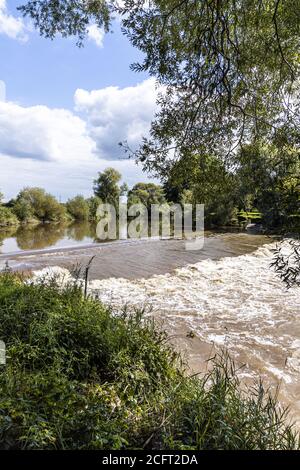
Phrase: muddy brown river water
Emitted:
{"points": [[226, 294]]}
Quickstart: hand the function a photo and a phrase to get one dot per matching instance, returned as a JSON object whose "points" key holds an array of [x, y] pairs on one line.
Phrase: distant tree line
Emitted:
{"points": [[264, 178], [35, 205]]}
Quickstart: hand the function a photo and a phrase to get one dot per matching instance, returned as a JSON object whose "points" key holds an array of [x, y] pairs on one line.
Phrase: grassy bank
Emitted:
{"points": [[78, 377]]}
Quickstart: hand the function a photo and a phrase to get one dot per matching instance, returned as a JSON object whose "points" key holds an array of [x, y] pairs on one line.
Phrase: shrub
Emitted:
{"points": [[79, 377], [7, 217], [42, 205], [23, 210], [78, 207]]}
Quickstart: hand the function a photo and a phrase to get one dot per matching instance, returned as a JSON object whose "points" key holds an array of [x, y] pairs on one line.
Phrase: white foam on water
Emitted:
{"points": [[61, 275], [280, 374], [242, 287]]}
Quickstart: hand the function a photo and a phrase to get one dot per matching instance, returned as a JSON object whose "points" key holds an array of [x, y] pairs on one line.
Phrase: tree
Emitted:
{"points": [[78, 207], [23, 209], [203, 179], [43, 205], [93, 203], [229, 69], [7, 217], [268, 178], [146, 194], [106, 186], [124, 189]]}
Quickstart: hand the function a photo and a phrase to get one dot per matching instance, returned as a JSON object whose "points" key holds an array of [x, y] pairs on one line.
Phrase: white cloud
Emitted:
{"points": [[96, 35], [110, 115], [42, 133], [63, 179], [114, 115], [11, 26], [58, 150]]}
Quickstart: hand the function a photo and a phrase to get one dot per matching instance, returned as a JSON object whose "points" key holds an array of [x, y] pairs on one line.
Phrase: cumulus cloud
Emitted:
{"points": [[109, 115], [11, 26], [96, 35], [114, 115], [42, 133], [62, 151]]}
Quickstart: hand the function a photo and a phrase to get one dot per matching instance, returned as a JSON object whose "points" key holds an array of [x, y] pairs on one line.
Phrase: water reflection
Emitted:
{"points": [[42, 236], [80, 230], [6, 233], [37, 237]]}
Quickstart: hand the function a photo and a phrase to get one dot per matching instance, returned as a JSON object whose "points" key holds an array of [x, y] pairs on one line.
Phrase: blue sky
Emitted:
{"points": [[66, 108]]}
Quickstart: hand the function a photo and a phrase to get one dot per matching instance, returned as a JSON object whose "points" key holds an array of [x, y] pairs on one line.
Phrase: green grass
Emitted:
{"points": [[79, 377]]}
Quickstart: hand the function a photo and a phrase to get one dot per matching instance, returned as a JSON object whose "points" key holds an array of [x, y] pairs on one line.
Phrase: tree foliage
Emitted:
{"points": [[78, 207], [93, 203], [7, 217], [286, 263], [124, 188], [42, 205], [203, 179], [23, 209], [229, 71], [146, 194], [268, 178], [67, 17], [106, 186]]}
